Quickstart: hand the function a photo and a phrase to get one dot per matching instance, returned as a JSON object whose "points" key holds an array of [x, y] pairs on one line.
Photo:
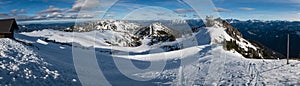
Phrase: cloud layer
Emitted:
{"points": [[181, 10], [84, 4], [55, 12], [246, 8], [223, 10]]}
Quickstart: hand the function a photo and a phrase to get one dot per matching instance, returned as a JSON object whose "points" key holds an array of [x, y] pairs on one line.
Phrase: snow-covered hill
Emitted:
{"points": [[20, 65], [252, 49], [205, 57], [115, 25], [121, 33]]}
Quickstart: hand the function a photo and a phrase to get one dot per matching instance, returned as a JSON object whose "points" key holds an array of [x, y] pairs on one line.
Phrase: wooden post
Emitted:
{"points": [[288, 49]]}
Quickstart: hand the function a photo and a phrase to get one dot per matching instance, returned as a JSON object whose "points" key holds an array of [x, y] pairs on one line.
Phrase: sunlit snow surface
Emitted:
{"points": [[51, 63], [20, 65]]}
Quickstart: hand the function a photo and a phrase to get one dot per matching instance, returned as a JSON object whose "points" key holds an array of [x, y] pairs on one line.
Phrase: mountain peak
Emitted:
{"points": [[233, 40], [157, 28]]}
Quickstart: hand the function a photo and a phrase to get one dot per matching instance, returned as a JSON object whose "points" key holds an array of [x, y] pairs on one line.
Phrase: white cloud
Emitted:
{"points": [[223, 10], [24, 17], [84, 5], [50, 12], [23, 11], [39, 17], [4, 15], [180, 10], [55, 15], [246, 8], [87, 8], [52, 9], [16, 11]]}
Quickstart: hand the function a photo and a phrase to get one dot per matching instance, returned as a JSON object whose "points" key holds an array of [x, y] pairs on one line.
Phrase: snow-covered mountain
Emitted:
{"points": [[128, 34], [267, 32], [249, 49], [115, 25], [214, 55], [134, 34]]}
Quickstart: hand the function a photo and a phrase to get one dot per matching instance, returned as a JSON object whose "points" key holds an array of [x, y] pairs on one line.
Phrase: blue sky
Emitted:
{"points": [[69, 9]]}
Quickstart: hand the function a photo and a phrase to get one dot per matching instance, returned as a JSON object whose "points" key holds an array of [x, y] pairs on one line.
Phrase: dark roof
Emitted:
{"points": [[6, 25]]}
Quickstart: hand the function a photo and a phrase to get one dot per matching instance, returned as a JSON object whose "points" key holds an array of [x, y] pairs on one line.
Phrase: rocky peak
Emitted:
{"points": [[157, 32], [158, 29], [248, 48], [232, 31], [115, 25]]}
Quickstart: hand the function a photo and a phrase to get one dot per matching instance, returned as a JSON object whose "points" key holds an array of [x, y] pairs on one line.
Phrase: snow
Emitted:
{"points": [[19, 64], [206, 64], [42, 42], [74, 80], [251, 33], [61, 47], [219, 34], [201, 61], [84, 38]]}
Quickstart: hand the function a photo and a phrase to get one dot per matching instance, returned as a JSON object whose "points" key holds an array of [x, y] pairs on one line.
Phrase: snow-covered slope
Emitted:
{"points": [[20, 65], [249, 49], [116, 25], [192, 60]]}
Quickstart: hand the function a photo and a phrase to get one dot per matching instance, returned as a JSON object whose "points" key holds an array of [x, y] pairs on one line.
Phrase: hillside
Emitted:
{"points": [[200, 58]]}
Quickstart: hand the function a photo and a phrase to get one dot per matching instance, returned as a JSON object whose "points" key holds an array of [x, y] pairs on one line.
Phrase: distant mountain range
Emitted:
{"points": [[273, 34]]}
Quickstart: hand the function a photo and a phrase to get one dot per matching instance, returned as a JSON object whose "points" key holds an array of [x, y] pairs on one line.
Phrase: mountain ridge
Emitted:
{"points": [[160, 33]]}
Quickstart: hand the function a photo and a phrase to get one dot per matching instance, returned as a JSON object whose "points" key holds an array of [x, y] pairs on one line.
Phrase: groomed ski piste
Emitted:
{"points": [[45, 58]]}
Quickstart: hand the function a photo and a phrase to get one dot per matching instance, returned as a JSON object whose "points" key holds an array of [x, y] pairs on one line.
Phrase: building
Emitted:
{"points": [[7, 27]]}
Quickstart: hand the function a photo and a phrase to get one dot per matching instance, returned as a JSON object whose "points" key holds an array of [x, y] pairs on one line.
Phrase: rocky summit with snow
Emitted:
{"points": [[216, 54], [249, 49], [129, 34], [134, 34]]}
